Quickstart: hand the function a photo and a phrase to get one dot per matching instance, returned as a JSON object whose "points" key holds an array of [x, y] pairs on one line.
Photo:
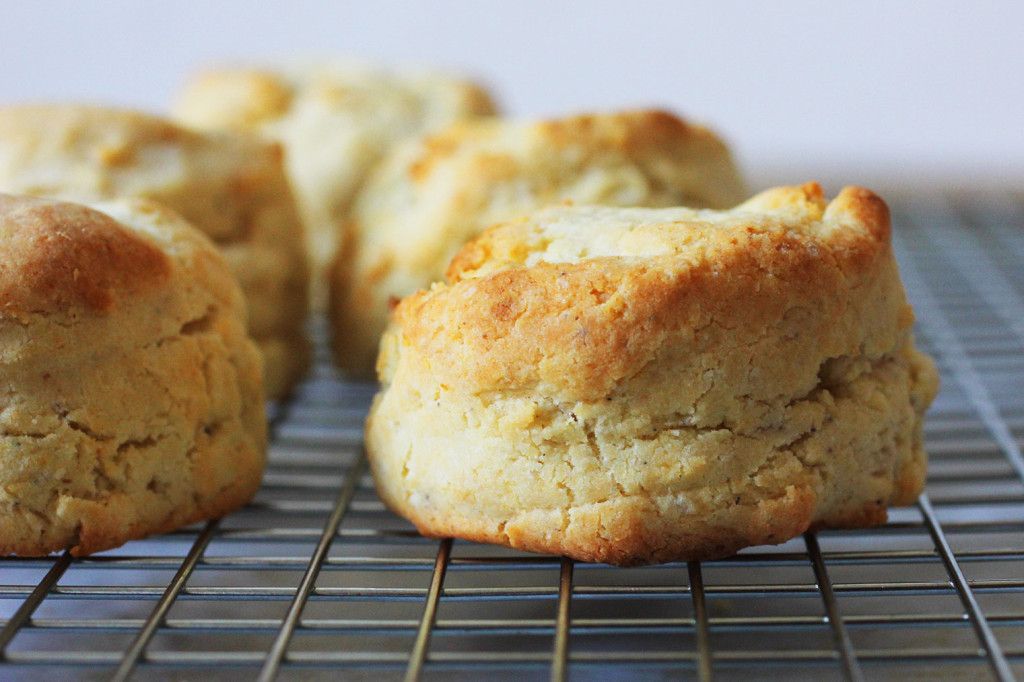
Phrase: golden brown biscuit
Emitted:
{"points": [[335, 120], [647, 385], [432, 196], [134, 401], [231, 186]]}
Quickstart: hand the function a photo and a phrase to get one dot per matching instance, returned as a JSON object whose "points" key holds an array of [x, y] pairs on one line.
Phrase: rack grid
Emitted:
{"points": [[317, 580]]}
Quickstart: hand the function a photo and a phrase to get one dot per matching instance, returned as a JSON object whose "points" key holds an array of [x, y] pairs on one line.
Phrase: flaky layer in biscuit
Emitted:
{"points": [[646, 385], [134, 398]]}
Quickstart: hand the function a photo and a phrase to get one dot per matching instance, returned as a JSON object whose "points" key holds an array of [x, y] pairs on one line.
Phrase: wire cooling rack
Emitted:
{"points": [[316, 580]]}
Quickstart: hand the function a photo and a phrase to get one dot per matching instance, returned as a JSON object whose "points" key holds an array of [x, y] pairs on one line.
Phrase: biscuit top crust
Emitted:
{"points": [[236, 98], [219, 181], [109, 137], [783, 224], [637, 134], [57, 256], [245, 97], [555, 155], [576, 302], [434, 194]]}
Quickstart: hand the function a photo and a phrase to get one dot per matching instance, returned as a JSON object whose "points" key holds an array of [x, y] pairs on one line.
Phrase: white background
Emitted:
{"points": [[867, 92]]}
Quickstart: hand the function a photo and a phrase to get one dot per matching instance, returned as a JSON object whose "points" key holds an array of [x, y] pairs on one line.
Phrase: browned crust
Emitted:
{"points": [[112, 522], [231, 186], [453, 184], [103, 527], [671, 153], [244, 97], [65, 124], [58, 256], [236, 98], [584, 326], [700, 322], [639, 135], [477, 101], [224, 183], [135, 400]]}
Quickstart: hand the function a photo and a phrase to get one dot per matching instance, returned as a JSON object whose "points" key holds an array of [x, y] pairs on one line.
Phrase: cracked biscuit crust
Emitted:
{"points": [[432, 196], [231, 186], [646, 385], [132, 398]]}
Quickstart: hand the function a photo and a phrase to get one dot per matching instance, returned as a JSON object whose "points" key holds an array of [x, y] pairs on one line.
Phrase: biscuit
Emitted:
{"points": [[635, 386], [231, 186], [429, 198], [336, 120], [134, 398]]}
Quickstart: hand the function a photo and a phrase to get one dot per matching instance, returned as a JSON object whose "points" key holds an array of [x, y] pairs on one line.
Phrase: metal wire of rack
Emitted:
{"points": [[316, 580]]}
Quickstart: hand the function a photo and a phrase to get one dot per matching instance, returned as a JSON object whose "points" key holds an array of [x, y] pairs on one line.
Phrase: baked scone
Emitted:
{"points": [[230, 186], [432, 196], [635, 386], [336, 120], [133, 399]]}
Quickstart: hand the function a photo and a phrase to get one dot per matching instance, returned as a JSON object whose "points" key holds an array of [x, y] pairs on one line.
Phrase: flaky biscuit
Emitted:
{"points": [[432, 196], [134, 398], [336, 120], [647, 385], [231, 186]]}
